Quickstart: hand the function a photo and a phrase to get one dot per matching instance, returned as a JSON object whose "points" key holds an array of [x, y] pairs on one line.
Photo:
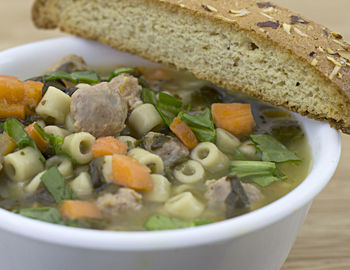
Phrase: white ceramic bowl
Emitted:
{"points": [[259, 240]]}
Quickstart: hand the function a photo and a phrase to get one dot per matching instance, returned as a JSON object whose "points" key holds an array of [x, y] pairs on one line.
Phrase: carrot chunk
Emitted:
{"points": [[108, 146], [236, 118], [75, 209], [12, 110], [184, 133], [40, 142], [130, 172], [17, 97]]}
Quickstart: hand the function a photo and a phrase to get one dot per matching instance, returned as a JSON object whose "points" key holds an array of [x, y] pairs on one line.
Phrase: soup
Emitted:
{"points": [[141, 149]]}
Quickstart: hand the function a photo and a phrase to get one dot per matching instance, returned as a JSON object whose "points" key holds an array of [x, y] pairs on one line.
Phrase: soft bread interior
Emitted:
{"points": [[212, 49]]}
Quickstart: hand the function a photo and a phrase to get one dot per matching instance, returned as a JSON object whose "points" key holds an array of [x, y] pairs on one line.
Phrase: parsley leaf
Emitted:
{"points": [[271, 149]]}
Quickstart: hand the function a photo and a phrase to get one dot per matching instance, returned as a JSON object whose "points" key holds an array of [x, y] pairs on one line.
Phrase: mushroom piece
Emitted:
{"points": [[69, 64], [169, 148]]}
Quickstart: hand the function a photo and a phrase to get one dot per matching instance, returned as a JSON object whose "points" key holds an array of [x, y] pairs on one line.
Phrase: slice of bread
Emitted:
{"points": [[256, 47]]}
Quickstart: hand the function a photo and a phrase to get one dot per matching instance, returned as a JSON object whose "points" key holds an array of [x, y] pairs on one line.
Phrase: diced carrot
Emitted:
{"points": [[12, 110], [40, 142], [130, 172], [236, 118], [108, 146], [16, 92], [184, 133], [75, 209], [7, 144]]}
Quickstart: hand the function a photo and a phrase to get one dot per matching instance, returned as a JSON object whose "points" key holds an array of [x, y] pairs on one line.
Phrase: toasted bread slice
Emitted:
{"points": [[256, 47]]}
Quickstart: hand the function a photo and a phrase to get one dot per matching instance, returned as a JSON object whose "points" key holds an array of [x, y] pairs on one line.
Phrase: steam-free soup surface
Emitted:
{"points": [[141, 149]]}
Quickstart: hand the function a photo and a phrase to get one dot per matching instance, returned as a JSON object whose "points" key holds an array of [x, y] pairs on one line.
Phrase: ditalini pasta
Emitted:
{"points": [[142, 149]]}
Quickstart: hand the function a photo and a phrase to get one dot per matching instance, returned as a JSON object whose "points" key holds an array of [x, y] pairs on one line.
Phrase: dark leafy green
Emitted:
{"points": [[55, 141], [121, 70], [55, 184], [16, 131], [202, 124], [262, 173], [237, 201], [75, 77], [148, 96], [169, 104], [48, 214], [157, 223], [271, 149]]}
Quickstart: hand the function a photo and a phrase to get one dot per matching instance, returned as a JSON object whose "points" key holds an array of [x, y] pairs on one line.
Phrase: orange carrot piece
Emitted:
{"points": [[12, 110], [184, 133], [108, 146], [130, 172], [14, 91], [236, 118], [40, 142], [75, 209]]}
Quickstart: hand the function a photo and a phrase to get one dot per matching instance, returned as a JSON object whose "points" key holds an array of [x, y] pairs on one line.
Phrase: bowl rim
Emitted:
{"points": [[326, 151]]}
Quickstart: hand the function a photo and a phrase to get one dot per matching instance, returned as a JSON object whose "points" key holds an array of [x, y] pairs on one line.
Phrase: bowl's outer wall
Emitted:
{"points": [[260, 240], [265, 249]]}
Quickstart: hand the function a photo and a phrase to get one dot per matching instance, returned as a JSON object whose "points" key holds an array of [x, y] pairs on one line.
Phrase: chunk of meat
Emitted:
{"points": [[253, 193], [169, 148], [99, 110], [129, 88], [223, 195], [123, 201], [69, 64], [217, 192]]}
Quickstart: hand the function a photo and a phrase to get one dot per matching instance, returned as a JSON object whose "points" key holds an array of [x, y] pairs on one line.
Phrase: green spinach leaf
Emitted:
{"points": [[48, 214], [55, 184], [271, 149], [202, 124]]}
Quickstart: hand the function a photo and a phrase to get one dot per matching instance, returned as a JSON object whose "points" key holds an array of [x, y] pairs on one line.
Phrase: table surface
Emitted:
{"points": [[324, 240]]}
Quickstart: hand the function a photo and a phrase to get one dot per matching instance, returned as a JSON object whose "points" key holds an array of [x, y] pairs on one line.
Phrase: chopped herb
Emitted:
{"points": [[148, 96], [48, 214], [85, 77], [271, 149], [262, 173], [157, 223], [202, 124], [75, 77], [55, 184], [119, 71], [169, 104], [16, 131], [55, 141]]}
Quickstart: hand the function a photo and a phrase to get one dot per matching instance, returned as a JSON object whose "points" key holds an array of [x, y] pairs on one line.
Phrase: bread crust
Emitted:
{"points": [[318, 47]]}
